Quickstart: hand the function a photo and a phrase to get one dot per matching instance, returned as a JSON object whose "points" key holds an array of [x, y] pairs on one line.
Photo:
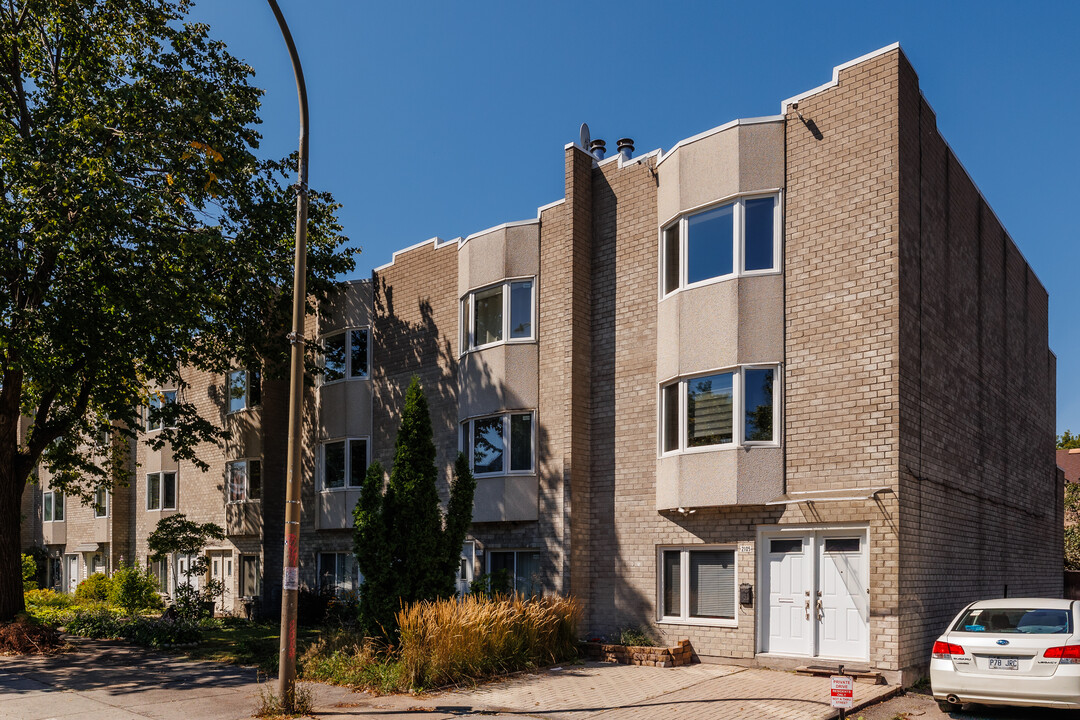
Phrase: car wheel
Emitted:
{"points": [[949, 707]]}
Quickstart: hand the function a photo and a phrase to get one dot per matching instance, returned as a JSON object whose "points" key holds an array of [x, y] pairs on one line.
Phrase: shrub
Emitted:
{"points": [[346, 659], [447, 641], [29, 573], [48, 598], [155, 632], [26, 636], [635, 636], [134, 591], [94, 588], [93, 623]]}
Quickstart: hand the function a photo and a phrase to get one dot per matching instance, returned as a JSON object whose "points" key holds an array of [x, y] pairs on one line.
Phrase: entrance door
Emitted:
{"points": [[183, 565], [465, 569], [71, 572], [221, 570], [818, 594]]}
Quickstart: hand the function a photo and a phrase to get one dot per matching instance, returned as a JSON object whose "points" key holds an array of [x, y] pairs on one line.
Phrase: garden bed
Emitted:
{"points": [[675, 656]]}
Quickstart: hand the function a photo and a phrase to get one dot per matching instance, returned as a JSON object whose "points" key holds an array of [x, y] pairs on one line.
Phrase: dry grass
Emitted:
{"points": [[449, 641]]}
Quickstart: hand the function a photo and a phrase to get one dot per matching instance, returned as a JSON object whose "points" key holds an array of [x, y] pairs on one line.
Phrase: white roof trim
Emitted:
{"points": [[504, 226], [550, 205], [720, 128], [437, 241], [836, 76], [826, 495]]}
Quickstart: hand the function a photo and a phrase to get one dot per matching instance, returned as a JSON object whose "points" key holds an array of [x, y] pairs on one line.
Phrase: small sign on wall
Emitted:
{"points": [[747, 548]]}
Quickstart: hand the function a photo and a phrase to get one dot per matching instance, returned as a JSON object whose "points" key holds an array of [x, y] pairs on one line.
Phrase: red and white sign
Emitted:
{"points": [[842, 691]]}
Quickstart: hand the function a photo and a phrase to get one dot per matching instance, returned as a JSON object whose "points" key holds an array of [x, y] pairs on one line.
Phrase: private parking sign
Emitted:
{"points": [[842, 692]]}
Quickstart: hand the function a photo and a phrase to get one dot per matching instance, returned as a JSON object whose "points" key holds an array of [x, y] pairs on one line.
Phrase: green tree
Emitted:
{"points": [[1072, 526], [404, 549], [141, 235], [29, 572], [1068, 441]]}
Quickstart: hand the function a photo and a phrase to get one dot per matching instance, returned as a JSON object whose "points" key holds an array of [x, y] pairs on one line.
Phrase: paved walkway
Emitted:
{"points": [[105, 680]]}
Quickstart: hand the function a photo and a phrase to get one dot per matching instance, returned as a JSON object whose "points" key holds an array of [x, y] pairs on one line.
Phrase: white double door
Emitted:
{"points": [[816, 586]]}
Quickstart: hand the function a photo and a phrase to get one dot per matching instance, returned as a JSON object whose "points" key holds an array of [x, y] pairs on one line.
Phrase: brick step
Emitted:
{"points": [[863, 675]]}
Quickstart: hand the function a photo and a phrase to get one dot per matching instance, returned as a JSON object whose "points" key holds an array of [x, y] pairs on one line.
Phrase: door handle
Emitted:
{"points": [[820, 610], [807, 608]]}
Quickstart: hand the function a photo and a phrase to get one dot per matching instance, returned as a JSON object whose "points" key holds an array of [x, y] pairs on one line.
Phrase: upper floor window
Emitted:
{"points": [[499, 444], [52, 506], [161, 491], [101, 503], [344, 463], [725, 408], [243, 480], [345, 355], [245, 389], [159, 400], [501, 313], [737, 238]]}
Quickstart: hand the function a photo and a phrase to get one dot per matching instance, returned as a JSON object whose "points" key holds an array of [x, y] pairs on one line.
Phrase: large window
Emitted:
{"points": [[52, 506], [345, 355], [503, 313], [736, 238], [243, 480], [250, 577], [725, 408], [499, 444], [344, 463], [159, 402], [161, 491], [245, 389], [697, 585], [516, 571], [338, 574]]}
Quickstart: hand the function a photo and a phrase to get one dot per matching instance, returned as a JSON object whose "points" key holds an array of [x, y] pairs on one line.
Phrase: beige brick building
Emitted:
{"points": [[784, 389]]}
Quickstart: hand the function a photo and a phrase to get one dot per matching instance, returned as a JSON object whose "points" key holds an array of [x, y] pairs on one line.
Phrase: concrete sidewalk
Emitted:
{"points": [[118, 682]]}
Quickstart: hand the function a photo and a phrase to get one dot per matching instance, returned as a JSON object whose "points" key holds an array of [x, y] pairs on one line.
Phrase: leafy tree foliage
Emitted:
{"points": [[177, 534], [139, 234], [1072, 526], [403, 548], [1068, 441]]}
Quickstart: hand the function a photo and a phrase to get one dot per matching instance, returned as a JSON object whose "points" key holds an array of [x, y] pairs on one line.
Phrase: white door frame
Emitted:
{"points": [[817, 535]]}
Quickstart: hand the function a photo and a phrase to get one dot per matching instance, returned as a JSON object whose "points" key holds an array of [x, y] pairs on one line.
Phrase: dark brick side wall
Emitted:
{"points": [[980, 505]]}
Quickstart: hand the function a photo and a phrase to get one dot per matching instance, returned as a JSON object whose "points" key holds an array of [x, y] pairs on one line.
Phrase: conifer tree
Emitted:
{"points": [[403, 549]]}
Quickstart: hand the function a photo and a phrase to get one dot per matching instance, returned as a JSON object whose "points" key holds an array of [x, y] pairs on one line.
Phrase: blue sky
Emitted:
{"points": [[444, 118]]}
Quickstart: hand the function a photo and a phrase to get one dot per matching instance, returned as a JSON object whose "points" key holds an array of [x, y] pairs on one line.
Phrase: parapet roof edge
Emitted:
{"points": [[836, 76], [720, 128], [503, 226], [437, 241]]}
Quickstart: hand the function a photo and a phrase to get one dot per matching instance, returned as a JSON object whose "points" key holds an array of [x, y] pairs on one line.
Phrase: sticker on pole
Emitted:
{"points": [[842, 690], [291, 580]]}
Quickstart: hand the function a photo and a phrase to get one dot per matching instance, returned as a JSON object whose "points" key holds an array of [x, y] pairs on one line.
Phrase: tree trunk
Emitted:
{"points": [[11, 592]]}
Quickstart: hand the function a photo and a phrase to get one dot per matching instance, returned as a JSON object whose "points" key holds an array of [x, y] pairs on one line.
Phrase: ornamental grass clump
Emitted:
{"points": [[449, 641]]}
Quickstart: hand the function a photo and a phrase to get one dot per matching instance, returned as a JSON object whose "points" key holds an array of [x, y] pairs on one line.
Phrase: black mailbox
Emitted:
{"points": [[746, 594]]}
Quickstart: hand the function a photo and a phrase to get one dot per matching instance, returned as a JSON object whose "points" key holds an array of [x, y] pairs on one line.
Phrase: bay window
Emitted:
{"points": [[243, 480], [245, 389], [161, 491], [499, 444], [734, 407], [159, 402], [501, 313], [52, 506], [345, 355], [344, 463], [739, 237]]}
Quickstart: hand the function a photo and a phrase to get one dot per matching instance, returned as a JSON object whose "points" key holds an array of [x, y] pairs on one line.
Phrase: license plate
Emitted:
{"points": [[1004, 663]]}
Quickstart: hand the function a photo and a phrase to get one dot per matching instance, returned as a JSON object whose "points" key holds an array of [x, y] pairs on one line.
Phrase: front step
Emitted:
{"points": [[860, 674]]}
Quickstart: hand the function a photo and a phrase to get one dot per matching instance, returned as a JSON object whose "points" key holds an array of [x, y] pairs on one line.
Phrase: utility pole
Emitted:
{"points": [[291, 565]]}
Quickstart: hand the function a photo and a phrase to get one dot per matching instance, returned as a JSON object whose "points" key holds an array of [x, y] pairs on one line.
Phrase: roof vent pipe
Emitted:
{"points": [[598, 147], [626, 148]]}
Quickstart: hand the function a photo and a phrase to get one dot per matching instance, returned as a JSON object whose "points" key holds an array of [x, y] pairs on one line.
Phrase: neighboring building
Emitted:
{"points": [[1069, 462], [784, 390]]}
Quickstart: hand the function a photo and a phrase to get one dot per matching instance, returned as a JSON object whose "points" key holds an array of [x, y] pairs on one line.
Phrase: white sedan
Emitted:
{"points": [[1022, 651]]}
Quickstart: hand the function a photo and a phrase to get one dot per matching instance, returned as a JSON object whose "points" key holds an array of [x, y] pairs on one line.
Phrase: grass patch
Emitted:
{"points": [[240, 642], [342, 658], [271, 706]]}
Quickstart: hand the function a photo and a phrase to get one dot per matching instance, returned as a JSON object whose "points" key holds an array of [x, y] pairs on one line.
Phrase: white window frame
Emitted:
{"points": [[247, 481], [347, 332], [57, 499], [514, 574], [348, 462], [247, 391], [159, 478], [738, 258], [738, 410], [357, 580], [466, 444], [467, 316], [104, 506], [684, 618], [159, 398]]}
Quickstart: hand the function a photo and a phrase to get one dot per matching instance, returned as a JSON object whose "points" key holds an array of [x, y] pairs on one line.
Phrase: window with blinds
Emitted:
{"points": [[698, 584]]}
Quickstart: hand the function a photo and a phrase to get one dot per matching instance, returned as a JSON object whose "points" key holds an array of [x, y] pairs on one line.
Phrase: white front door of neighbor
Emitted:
{"points": [[183, 564], [816, 584], [221, 570], [71, 570]]}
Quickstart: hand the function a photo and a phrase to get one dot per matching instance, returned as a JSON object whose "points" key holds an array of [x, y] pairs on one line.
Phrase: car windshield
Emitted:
{"points": [[1041, 621]]}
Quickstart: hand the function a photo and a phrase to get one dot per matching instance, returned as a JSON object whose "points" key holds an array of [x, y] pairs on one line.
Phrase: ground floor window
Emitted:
{"points": [[338, 573], [250, 577], [516, 571], [697, 584]]}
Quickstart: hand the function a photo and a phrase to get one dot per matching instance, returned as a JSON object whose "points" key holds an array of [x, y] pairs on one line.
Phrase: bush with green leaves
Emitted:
{"points": [[29, 573], [152, 632], [94, 588], [134, 591]]}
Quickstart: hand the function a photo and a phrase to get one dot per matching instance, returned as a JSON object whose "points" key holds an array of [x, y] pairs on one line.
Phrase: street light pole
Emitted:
{"points": [[291, 564]]}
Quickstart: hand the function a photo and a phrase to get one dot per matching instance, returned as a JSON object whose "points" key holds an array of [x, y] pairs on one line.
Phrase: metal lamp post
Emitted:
{"points": [[290, 573]]}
